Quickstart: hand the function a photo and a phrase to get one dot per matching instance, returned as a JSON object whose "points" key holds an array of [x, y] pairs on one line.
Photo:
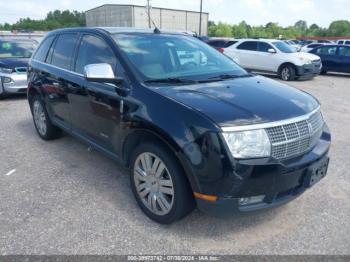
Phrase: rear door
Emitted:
{"points": [[344, 57], [246, 53], [60, 58], [95, 106]]}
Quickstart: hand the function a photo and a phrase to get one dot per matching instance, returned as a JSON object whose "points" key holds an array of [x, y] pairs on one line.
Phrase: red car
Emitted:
{"points": [[221, 43]]}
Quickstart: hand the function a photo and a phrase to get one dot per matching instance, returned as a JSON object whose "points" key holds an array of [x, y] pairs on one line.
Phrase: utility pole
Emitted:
{"points": [[200, 19], [149, 13]]}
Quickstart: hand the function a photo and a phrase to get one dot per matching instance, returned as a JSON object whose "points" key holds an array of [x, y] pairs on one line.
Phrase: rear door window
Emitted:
{"points": [[264, 47], [64, 50], [347, 42], [41, 53], [248, 45], [94, 50]]}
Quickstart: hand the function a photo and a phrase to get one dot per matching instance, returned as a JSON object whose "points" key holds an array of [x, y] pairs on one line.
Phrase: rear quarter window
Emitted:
{"points": [[63, 50], [229, 43], [43, 49], [217, 43], [248, 45]]}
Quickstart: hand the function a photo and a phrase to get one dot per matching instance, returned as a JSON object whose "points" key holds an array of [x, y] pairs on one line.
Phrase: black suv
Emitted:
{"points": [[194, 128]]}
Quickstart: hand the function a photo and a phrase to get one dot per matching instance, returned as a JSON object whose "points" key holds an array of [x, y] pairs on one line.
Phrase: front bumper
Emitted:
{"points": [[277, 181], [17, 85], [309, 70]]}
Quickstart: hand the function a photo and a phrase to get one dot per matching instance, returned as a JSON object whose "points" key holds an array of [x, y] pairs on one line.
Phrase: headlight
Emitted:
{"points": [[5, 70], [306, 61], [248, 144]]}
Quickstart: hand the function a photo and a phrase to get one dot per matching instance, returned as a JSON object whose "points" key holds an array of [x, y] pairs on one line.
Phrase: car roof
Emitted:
{"points": [[260, 39], [332, 45], [223, 39]]}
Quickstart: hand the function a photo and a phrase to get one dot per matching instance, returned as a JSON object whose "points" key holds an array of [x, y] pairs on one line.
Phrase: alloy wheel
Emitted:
{"points": [[39, 117], [153, 183], [285, 73]]}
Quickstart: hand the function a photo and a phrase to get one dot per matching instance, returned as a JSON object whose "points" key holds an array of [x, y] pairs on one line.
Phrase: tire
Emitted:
{"points": [[166, 196], [323, 72], [43, 125], [287, 73], [2, 96]]}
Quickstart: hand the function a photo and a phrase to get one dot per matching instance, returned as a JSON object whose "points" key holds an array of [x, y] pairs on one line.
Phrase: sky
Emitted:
{"points": [[254, 12]]}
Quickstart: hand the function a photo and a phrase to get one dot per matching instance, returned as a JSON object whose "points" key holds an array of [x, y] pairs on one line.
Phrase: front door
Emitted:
{"points": [[95, 107]]}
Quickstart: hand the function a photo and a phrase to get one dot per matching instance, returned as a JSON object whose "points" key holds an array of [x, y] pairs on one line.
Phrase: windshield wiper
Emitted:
{"points": [[171, 80], [224, 77]]}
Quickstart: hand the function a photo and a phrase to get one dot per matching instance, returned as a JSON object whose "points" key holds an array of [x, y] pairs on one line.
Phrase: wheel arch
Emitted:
{"points": [[286, 64], [143, 135], [32, 92]]}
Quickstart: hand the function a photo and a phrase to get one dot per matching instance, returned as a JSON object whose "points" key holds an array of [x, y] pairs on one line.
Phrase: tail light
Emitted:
{"points": [[220, 49]]}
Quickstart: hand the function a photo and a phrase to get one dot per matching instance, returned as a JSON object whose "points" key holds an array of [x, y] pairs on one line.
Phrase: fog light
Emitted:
{"points": [[243, 201], [5, 79]]}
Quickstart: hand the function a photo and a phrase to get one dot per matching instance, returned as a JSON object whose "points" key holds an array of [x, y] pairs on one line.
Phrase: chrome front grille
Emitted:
{"points": [[295, 138]]}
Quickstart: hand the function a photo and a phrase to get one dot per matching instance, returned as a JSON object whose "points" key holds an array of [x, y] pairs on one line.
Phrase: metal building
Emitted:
{"points": [[136, 16]]}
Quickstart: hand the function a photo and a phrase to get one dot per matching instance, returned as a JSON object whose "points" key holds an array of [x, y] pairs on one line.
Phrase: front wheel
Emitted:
{"points": [[287, 73], [159, 184], [43, 125]]}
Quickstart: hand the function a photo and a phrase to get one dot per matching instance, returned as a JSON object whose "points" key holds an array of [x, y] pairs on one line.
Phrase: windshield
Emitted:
{"points": [[159, 56], [284, 48], [16, 48]]}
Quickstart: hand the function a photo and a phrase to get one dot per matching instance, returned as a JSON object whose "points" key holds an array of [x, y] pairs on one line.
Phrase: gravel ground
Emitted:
{"points": [[64, 199]]}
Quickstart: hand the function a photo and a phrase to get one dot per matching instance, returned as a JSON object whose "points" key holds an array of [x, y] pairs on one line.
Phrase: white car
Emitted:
{"points": [[274, 56], [293, 44], [309, 47], [343, 42]]}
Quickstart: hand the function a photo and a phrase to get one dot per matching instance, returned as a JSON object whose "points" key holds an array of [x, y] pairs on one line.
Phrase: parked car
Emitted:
{"points": [[193, 133], [343, 42], [324, 41], [274, 56], [293, 44], [203, 38], [334, 58], [14, 57], [221, 43], [309, 47]]}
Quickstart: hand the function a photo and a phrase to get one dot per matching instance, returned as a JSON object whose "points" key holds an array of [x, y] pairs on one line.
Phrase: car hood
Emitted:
{"points": [[306, 56], [12, 63], [243, 101]]}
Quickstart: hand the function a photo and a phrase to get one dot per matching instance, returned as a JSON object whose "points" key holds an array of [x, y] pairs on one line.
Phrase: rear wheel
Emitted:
{"points": [[159, 184], [287, 73], [42, 122], [323, 72]]}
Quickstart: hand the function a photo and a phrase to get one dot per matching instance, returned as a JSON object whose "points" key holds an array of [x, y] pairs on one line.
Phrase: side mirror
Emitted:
{"points": [[101, 73], [271, 51]]}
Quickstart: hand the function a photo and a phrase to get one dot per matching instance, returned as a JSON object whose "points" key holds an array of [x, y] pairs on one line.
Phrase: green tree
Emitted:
{"points": [[339, 28], [54, 19]]}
